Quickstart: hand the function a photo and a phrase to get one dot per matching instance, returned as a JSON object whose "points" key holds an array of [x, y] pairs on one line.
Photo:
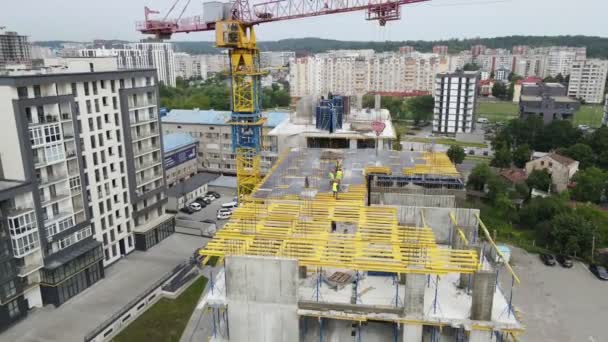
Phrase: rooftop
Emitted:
{"points": [[192, 183], [214, 117], [174, 141]]}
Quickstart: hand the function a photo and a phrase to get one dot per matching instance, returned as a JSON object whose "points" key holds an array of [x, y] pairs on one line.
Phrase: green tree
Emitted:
{"points": [[421, 108], [572, 233], [581, 152], [499, 90], [471, 67], [521, 155], [456, 154], [539, 179], [479, 176], [590, 185], [540, 210], [502, 158]]}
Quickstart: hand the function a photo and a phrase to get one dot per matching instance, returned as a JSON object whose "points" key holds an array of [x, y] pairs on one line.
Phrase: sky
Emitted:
{"points": [[85, 20]]}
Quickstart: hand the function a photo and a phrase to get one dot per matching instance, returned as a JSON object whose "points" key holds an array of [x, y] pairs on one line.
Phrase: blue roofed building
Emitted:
{"points": [[213, 133], [180, 150]]}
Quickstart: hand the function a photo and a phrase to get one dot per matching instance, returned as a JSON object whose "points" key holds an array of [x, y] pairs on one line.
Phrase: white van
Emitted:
{"points": [[224, 214], [230, 205]]}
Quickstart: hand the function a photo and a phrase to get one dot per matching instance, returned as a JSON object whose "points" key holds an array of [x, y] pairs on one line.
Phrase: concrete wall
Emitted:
{"points": [[262, 299], [439, 220], [415, 200]]}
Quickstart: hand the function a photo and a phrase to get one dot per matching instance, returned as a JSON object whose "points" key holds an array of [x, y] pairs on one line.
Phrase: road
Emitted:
{"points": [[558, 304]]}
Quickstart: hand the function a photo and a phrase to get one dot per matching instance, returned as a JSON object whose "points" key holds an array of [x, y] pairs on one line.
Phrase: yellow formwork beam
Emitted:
{"points": [[484, 229]]}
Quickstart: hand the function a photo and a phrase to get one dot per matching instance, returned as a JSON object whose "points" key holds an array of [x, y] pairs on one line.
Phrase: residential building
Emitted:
{"points": [[21, 256], [548, 101], [189, 66], [157, 55], [276, 59], [440, 50], [561, 169], [96, 157], [561, 58], [214, 135], [406, 49], [588, 80], [181, 151], [14, 49], [520, 83], [359, 72], [41, 52], [455, 96]]}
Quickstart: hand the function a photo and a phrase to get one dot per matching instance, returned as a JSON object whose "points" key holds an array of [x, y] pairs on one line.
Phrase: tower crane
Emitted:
{"points": [[233, 23]]}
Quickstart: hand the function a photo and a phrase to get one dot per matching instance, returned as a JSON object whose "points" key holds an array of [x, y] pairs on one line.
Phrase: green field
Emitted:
{"points": [[166, 320], [497, 111], [590, 115]]}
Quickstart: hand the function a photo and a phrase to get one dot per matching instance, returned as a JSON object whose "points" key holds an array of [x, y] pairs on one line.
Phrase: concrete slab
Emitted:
{"points": [[124, 281]]}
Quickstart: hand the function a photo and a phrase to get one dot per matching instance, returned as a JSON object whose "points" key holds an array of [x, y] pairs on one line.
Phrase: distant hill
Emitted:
{"points": [[596, 46]]}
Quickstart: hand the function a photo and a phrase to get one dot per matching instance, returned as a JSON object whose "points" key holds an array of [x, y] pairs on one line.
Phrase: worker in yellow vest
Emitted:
{"points": [[339, 175], [334, 188]]}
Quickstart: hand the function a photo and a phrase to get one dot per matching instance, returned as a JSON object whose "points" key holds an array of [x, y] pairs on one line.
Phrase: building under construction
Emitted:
{"points": [[390, 257]]}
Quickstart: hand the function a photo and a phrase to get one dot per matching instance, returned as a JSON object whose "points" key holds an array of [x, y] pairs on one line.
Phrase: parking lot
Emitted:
{"points": [[558, 304], [210, 211]]}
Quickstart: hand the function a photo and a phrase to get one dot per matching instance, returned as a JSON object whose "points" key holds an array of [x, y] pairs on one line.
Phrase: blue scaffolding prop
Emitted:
{"points": [[435, 305]]}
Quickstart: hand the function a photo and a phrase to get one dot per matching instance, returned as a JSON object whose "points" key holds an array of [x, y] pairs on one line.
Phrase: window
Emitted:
{"points": [[13, 309], [22, 92]]}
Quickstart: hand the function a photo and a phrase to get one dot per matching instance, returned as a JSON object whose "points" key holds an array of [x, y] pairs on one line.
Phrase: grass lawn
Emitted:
{"points": [[443, 141], [590, 115], [497, 111], [166, 320]]}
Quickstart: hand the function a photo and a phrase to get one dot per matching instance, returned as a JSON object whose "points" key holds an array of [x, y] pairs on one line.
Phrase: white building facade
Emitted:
{"points": [[455, 96], [588, 80]]}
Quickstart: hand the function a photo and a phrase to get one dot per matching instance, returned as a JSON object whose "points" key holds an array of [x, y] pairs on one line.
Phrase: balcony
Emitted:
{"points": [[26, 270], [46, 181], [41, 161]]}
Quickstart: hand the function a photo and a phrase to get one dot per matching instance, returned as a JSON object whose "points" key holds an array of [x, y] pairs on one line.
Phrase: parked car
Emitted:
{"points": [[230, 205], [186, 210], [195, 206], [547, 259], [599, 271], [203, 200], [564, 260], [224, 214], [213, 193]]}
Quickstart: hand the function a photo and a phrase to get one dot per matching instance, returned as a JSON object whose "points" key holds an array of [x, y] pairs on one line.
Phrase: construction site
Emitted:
{"points": [[339, 241]]}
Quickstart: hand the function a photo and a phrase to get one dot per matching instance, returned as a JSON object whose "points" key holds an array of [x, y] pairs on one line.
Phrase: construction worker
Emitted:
{"points": [[339, 175], [334, 188]]}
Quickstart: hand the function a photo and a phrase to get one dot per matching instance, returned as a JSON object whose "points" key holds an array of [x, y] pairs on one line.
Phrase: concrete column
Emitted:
{"points": [[484, 286], [302, 271], [412, 332], [414, 294], [480, 336]]}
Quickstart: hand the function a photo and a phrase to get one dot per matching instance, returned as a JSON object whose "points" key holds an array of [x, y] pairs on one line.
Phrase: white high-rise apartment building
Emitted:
{"points": [[455, 96], [189, 66], [93, 151], [358, 72], [588, 80], [139, 56]]}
